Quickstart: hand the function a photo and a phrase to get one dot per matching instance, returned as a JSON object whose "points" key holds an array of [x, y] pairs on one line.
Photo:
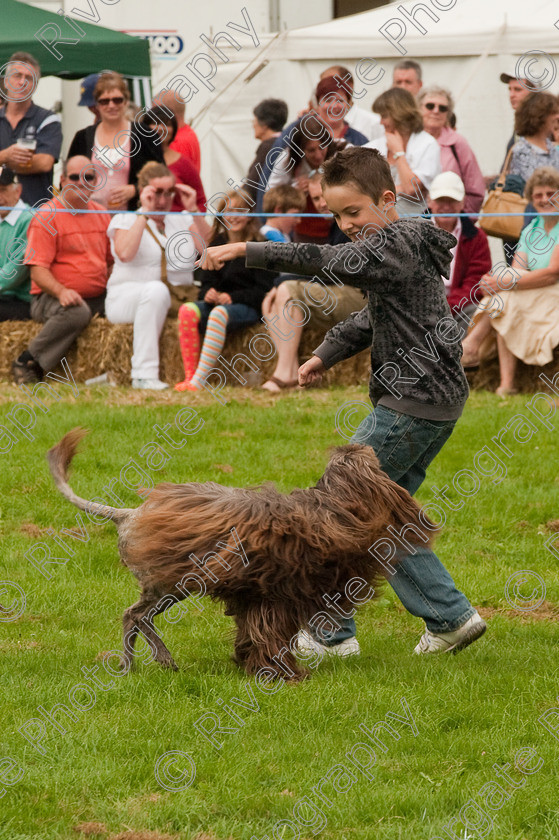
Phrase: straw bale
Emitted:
{"points": [[105, 347], [527, 380]]}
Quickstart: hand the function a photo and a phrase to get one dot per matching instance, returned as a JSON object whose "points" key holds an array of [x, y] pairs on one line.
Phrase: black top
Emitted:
{"points": [[252, 174], [415, 345], [244, 285], [83, 141]]}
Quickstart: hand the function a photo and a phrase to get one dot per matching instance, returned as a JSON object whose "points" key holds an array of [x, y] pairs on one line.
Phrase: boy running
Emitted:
{"points": [[417, 385]]}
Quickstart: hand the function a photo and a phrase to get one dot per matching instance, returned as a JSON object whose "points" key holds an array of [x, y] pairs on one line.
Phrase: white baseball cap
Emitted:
{"points": [[447, 185]]}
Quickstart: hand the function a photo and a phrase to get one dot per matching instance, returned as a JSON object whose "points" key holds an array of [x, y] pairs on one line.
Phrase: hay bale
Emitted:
{"points": [[487, 376], [351, 372], [104, 347]]}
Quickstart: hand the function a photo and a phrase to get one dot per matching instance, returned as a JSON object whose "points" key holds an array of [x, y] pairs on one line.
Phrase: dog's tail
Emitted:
{"points": [[59, 458]]}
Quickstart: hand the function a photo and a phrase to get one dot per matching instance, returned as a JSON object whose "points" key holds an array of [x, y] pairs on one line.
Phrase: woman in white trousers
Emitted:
{"points": [[152, 249]]}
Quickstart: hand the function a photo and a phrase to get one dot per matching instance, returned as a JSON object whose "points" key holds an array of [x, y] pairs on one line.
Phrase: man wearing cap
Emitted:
{"points": [[68, 254], [87, 100], [14, 274], [518, 90], [30, 136], [471, 258]]}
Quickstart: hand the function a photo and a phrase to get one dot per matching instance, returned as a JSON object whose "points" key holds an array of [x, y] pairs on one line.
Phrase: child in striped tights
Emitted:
{"points": [[229, 299]]}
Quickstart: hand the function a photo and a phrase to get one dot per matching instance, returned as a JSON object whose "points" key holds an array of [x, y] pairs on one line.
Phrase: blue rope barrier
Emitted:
{"points": [[45, 209]]}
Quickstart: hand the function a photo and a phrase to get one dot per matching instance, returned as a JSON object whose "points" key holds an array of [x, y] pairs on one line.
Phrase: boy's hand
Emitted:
{"points": [[311, 372], [214, 258]]}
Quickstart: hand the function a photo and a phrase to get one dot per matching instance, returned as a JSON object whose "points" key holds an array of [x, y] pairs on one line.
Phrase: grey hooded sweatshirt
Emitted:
{"points": [[415, 343]]}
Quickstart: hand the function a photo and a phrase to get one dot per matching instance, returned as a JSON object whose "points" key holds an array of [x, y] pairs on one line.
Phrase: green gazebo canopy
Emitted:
{"points": [[27, 28]]}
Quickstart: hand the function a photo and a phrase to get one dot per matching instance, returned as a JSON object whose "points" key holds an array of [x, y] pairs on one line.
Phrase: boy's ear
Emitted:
{"points": [[388, 197], [387, 202]]}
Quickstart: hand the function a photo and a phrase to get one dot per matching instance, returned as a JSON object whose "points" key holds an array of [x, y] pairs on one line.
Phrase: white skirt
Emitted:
{"points": [[528, 323]]}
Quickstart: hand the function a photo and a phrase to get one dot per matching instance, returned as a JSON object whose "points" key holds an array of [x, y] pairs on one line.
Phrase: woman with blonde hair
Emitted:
{"points": [[526, 320], [437, 107], [413, 155], [147, 273], [230, 298], [116, 148]]}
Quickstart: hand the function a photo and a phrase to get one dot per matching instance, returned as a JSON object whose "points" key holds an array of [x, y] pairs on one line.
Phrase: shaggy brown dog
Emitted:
{"points": [[294, 549]]}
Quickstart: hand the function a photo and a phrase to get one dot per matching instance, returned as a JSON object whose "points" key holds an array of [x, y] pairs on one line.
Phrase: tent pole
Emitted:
{"points": [[199, 114]]}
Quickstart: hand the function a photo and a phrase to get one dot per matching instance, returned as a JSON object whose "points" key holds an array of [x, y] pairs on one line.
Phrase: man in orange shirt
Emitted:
{"points": [[68, 254]]}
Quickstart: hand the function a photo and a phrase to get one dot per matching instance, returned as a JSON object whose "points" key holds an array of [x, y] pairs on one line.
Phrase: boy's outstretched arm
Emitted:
{"points": [[361, 264]]}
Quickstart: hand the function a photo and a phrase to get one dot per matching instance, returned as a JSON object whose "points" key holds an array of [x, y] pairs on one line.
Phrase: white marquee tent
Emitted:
{"points": [[464, 48]]}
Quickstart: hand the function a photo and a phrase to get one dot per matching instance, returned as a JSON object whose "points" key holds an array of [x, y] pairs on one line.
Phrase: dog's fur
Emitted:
{"points": [[299, 547]]}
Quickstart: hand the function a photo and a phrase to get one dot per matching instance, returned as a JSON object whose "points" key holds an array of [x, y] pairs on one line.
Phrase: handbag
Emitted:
{"points": [[179, 294], [503, 200]]}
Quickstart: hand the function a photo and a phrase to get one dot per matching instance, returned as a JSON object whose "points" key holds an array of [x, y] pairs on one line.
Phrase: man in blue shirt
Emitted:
{"points": [[30, 136]]}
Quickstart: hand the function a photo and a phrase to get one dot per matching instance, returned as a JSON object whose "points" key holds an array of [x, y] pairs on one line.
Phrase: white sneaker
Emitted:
{"points": [[454, 641], [149, 384], [306, 644]]}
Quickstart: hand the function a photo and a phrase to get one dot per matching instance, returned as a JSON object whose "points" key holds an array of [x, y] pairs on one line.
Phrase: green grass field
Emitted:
{"points": [[460, 717]]}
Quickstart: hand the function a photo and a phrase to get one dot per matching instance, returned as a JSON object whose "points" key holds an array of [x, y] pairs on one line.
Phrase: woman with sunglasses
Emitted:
{"points": [[437, 106], [413, 154], [154, 253], [115, 146], [524, 321]]}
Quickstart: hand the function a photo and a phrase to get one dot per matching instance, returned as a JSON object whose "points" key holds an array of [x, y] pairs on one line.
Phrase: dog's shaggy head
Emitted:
{"points": [[354, 477]]}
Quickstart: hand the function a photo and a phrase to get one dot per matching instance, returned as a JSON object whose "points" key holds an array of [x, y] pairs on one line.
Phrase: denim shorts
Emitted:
{"points": [[240, 315]]}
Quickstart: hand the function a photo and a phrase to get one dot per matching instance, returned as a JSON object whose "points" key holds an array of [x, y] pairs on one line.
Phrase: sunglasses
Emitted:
{"points": [[106, 100], [319, 171], [432, 105], [164, 193], [90, 177]]}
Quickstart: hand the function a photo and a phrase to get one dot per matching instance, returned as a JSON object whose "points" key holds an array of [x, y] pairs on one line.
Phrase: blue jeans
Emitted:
{"points": [[405, 446], [240, 315]]}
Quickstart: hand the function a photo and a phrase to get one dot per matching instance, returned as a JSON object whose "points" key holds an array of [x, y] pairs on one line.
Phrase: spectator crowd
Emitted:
{"points": [[73, 251]]}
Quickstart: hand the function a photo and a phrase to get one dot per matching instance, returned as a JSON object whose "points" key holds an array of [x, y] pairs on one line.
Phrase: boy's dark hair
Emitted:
{"points": [[271, 113], [285, 197], [532, 113], [366, 168]]}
